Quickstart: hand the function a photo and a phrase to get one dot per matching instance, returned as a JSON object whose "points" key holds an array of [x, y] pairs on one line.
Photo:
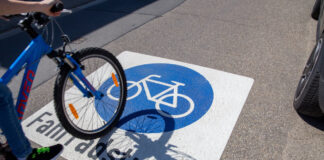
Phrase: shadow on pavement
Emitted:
{"points": [[134, 144], [315, 122]]}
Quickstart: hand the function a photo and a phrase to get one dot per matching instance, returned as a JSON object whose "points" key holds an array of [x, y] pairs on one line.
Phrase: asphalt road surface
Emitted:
{"points": [[267, 40]]}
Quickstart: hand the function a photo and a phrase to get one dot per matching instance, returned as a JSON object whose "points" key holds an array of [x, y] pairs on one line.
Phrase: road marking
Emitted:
{"points": [[205, 138]]}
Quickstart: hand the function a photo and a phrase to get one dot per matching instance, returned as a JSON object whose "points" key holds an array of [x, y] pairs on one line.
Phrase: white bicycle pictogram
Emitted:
{"points": [[158, 98]]}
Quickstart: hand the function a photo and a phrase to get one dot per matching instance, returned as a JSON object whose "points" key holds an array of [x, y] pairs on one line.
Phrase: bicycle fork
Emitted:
{"points": [[87, 89]]}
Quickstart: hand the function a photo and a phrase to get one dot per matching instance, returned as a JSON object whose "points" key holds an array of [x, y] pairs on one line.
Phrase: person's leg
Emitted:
{"points": [[10, 125]]}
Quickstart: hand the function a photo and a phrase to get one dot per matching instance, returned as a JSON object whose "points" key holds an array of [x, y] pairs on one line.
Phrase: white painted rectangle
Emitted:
{"points": [[204, 139]]}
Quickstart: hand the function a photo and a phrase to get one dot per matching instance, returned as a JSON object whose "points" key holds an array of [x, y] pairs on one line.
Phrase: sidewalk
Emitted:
{"points": [[68, 4]]}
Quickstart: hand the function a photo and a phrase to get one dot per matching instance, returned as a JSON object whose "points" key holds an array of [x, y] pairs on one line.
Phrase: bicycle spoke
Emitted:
{"points": [[109, 107], [91, 120], [73, 94], [87, 111], [92, 80], [73, 99], [99, 79], [86, 105], [82, 110], [83, 115]]}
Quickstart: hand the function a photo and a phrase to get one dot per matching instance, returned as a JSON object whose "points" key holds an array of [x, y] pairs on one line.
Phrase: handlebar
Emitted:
{"points": [[38, 18], [57, 7]]}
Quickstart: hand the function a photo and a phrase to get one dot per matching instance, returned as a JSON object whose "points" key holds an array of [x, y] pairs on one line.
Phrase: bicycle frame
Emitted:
{"points": [[30, 58]]}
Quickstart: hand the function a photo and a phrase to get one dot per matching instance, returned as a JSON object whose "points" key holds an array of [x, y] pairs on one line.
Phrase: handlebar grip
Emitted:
{"points": [[57, 7]]}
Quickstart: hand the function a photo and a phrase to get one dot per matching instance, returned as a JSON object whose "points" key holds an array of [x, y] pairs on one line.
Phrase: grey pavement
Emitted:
{"points": [[267, 40]]}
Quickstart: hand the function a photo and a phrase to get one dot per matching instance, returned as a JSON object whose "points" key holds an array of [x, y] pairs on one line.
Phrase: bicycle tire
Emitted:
{"points": [[61, 90]]}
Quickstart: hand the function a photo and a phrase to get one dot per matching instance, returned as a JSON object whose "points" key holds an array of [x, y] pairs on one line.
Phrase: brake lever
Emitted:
{"points": [[66, 11]]}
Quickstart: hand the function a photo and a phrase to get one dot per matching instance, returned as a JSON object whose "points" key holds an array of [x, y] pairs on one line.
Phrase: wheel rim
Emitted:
{"points": [[309, 68], [100, 124]]}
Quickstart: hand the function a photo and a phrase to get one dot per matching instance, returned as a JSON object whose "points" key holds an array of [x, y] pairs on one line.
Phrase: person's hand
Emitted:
{"points": [[47, 5]]}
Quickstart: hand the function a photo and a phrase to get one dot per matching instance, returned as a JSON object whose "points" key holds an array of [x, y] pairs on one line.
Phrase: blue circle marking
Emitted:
{"points": [[174, 91]]}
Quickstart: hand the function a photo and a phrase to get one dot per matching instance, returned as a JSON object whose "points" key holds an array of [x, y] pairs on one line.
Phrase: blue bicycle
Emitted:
{"points": [[78, 91]]}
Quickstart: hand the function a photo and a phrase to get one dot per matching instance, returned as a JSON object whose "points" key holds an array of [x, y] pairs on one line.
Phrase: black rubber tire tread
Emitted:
{"points": [[58, 89], [308, 103]]}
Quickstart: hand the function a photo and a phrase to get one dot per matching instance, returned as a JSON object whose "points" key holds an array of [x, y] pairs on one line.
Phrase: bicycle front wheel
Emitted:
{"points": [[87, 117]]}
